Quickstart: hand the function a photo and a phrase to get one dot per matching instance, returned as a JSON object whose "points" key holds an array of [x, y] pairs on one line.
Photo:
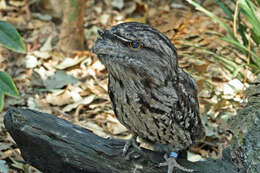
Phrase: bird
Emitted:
{"points": [[151, 95]]}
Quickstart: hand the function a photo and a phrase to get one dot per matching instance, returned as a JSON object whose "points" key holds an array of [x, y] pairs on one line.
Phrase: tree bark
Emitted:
{"points": [[55, 145], [246, 129]]}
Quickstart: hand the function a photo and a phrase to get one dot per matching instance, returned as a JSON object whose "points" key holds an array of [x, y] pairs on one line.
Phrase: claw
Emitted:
{"points": [[129, 143], [171, 163]]}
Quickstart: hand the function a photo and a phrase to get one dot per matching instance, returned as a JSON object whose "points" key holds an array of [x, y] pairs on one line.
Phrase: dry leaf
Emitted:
{"points": [[114, 126], [69, 62], [84, 101], [61, 99]]}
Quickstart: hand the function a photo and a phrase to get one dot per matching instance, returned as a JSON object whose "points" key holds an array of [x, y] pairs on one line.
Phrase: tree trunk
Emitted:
{"points": [[52, 7], [72, 28]]}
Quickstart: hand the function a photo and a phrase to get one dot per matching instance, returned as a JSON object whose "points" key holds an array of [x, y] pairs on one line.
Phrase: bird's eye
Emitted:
{"points": [[135, 45]]}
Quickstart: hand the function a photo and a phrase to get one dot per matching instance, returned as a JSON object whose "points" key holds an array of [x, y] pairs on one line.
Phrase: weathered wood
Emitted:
{"points": [[55, 145]]}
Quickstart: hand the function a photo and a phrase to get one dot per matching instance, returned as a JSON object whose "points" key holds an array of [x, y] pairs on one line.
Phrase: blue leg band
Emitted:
{"points": [[173, 154]]}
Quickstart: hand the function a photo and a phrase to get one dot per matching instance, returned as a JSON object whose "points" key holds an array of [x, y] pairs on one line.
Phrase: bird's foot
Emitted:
{"points": [[131, 143], [172, 163]]}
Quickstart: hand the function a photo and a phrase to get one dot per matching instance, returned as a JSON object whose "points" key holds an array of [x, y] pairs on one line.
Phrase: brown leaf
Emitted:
{"points": [[59, 99]]}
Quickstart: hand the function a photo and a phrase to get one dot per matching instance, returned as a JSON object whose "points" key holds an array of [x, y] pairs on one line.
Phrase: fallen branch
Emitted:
{"points": [[55, 145]]}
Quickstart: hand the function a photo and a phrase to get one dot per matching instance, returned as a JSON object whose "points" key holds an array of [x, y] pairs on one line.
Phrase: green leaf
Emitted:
{"points": [[247, 8], [226, 62], [237, 70], [1, 100], [254, 68], [213, 17], [226, 9], [255, 37], [241, 47], [7, 85], [10, 38], [258, 1], [242, 29]]}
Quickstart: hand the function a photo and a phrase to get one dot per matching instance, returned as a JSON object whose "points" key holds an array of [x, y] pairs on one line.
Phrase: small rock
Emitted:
{"points": [[232, 87], [31, 61]]}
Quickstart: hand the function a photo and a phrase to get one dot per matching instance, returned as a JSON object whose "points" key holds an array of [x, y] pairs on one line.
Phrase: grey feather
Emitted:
{"points": [[151, 95]]}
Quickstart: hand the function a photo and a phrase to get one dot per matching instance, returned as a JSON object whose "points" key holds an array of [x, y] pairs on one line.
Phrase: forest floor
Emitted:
{"points": [[81, 79]]}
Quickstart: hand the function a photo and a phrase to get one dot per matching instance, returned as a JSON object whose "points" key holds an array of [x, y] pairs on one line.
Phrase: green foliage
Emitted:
{"points": [[245, 32], [7, 87], [10, 38], [226, 9], [248, 9]]}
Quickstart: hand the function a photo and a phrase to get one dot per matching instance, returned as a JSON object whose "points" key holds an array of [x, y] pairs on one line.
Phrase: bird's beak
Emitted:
{"points": [[99, 37]]}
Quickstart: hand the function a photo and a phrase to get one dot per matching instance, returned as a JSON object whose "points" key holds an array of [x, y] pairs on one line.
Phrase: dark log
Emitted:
{"points": [[54, 145]]}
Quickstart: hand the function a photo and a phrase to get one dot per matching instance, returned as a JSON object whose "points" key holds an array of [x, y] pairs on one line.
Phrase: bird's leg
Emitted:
{"points": [[131, 142], [172, 163], [170, 157]]}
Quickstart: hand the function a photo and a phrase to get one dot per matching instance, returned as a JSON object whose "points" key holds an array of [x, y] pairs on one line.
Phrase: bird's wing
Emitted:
{"points": [[187, 112]]}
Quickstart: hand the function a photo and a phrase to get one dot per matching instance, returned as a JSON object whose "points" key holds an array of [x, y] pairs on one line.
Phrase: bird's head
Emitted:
{"points": [[136, 47]]}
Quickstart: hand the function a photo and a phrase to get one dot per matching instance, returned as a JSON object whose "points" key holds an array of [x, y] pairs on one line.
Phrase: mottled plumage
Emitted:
{"points": [[151, 95]]}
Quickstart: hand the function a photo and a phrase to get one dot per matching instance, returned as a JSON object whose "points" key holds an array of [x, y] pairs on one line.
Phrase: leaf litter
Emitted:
{"points": [[79, 92]]}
